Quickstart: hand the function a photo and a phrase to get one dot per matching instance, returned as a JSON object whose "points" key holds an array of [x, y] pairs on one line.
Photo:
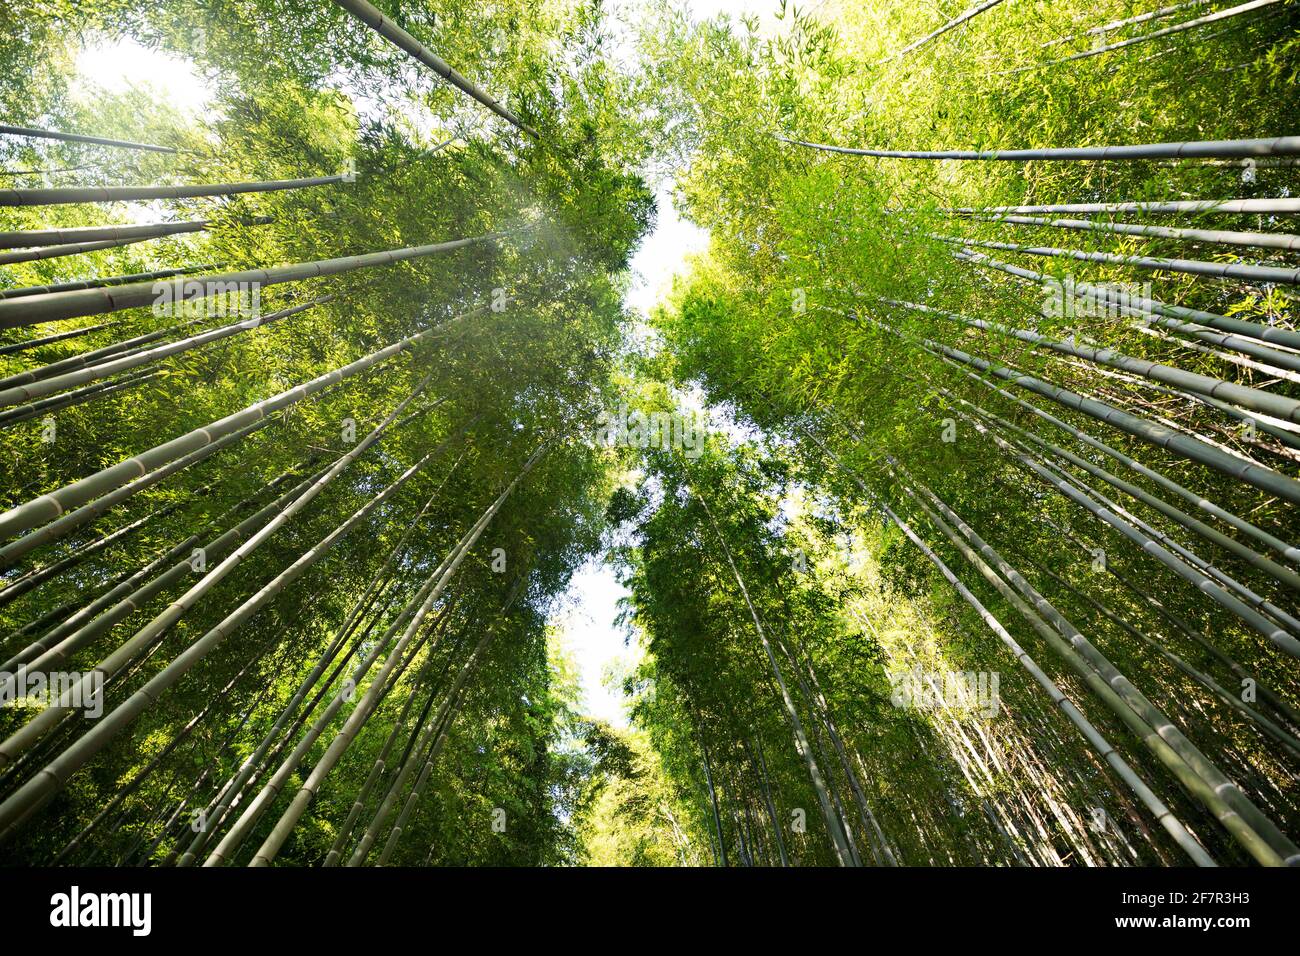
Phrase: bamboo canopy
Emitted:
{"points": [[941, 546]]}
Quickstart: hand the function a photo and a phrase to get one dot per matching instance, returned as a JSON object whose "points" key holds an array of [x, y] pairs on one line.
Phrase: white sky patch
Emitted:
{"points": [[120, 65], [591, 635], [663, 254]]}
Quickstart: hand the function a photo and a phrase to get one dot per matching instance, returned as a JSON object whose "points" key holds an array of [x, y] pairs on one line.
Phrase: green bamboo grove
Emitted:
{"points": [[956, 503]]}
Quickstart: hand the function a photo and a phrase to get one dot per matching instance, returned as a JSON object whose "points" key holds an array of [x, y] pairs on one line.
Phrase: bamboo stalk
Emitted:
{"points": [[57, 646], [1226, 149], [129, 346], [950, 25], [1289, 551], [234, 838], [57, 252], [60, 195], [94, 508], [1262, 240], [130, 586], [109, 237], [232, 791], [139, 777], [380, 766], [53, 306], [80, 138], [1185, 446], [44, 340], [1251, 557], [35, 290], [1118, 24], [838, 839], [1120, 705], [1268, 844], [434, 737], [14, 589], [151, 230], [1145, 542], [1182, 316], [225, 800], [37, 790], [78, 396], [1279, 406], [57, 383], [1236, 207], [1271, 729], [1163, 815]]}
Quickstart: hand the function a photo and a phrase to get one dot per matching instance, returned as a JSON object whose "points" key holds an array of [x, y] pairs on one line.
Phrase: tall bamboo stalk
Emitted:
{"points": [[81, 138], [1226, 148], [57, 383], [44, 340], [34, 290], [1282, 547], [53, 306], [1218, 270], [1253, 558], [1227, 237], [129, 346], [225, 800], [19, 586], [1236, 207], [1183, 445], [58, 252], [60, 195], [1182, 318], [1215, 17], [1254, 830], [1145, 542], [1128, 21], [1245, 396]]}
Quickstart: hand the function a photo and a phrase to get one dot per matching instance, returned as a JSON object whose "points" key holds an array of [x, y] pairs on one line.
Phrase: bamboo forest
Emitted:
{"points": [[649, 433]]}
